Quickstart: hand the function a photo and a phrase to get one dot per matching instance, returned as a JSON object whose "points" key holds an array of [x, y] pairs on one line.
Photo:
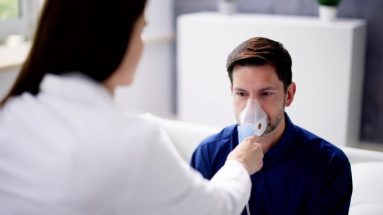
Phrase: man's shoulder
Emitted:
{"points": [[321, 148], [212, 152], [219, 144], [312, 146], [219, 139]]}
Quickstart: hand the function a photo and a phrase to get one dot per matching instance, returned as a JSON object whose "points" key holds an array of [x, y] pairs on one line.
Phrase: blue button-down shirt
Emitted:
{"points": [[302, 173]]}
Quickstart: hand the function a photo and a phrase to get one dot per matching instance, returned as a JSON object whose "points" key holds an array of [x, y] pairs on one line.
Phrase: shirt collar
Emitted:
{"points": [[77, 87], [286, 145]]}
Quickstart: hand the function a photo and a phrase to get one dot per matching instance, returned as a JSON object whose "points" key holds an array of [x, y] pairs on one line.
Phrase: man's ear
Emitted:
{"points": [[290, 94]]}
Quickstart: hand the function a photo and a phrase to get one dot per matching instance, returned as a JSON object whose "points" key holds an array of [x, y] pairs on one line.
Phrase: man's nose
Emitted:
{"points": [[252, 99]]}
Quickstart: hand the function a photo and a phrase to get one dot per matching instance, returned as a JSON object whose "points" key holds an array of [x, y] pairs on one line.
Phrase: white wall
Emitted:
{"points": [[153, 85], [6, 79], [11, 56]]}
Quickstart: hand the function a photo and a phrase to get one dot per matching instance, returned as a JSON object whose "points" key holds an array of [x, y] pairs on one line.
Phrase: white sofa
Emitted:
{"points": [[367, 166]]}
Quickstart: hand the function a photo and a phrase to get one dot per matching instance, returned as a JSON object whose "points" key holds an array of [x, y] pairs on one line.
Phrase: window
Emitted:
{"points": [[9, 9], [18, 17]]}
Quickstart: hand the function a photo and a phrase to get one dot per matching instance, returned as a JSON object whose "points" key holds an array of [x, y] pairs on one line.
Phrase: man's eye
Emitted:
{"points": [[240, 94], [266, 93]]}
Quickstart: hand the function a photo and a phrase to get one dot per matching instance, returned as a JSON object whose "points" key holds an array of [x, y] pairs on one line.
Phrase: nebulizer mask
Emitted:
{"points": [[253, 120]]}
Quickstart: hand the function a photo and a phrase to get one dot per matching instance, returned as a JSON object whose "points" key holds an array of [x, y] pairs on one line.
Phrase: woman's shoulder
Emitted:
{"points": [[18, 109]]}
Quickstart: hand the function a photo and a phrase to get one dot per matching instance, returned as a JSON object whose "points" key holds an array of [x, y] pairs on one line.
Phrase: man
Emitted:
{"points": [[302, 173]]}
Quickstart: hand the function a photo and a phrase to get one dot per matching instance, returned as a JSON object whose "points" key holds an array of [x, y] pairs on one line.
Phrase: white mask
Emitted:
{"points": [[253, 120]]}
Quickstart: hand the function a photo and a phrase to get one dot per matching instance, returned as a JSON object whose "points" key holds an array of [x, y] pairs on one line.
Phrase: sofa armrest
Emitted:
{"points": [[187, 136], [367, 182], [356, 155]]}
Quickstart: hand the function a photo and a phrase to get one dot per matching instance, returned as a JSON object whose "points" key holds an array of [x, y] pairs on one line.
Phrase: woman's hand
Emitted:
{"points": [[249, 153]]}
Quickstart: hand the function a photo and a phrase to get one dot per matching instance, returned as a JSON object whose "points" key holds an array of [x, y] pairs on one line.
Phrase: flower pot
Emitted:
{"points": [[327, 13], [227, 7]]}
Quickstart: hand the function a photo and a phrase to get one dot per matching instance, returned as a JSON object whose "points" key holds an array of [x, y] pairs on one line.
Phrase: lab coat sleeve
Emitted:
{"points": [[168, 185]]}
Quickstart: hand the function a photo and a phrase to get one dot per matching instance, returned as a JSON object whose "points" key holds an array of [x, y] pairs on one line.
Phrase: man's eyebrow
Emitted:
{"points": [[268, 88], [262, 89], [239, 89]]}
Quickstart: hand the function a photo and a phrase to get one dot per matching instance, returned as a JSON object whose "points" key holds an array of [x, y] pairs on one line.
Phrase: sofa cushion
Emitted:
{"points": [[367, 196]]}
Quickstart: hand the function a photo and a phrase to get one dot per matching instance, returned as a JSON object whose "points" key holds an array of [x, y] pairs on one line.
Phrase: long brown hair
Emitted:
{"points": [[86, 36]]}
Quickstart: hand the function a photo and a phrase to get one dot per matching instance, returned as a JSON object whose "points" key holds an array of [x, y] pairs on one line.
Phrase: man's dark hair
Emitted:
{"points": [[259, 51]]}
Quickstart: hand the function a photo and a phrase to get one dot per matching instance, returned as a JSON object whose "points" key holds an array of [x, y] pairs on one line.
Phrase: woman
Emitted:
{"points": [[66, 149]]}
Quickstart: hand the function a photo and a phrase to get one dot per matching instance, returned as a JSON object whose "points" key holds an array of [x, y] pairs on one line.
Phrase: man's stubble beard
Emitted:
{"points": [[273, 125]]}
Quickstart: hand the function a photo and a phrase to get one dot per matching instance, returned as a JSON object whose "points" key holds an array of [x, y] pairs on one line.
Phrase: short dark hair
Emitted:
{"points": [[259, 51], [86, 36]]}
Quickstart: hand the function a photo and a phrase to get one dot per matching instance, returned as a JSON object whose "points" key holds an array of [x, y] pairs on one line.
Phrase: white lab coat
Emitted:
{"points": [[71, 151]]}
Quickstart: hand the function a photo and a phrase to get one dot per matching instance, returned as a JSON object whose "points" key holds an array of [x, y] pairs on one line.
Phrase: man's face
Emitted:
{"points": [[261, 83]]}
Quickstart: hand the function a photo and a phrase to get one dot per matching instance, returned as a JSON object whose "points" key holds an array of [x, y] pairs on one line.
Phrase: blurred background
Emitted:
{"points": [[337, 65]]}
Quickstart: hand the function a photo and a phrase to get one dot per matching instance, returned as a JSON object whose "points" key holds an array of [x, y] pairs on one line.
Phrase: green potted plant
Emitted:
{"points": [[227, 6], [328, 9]]}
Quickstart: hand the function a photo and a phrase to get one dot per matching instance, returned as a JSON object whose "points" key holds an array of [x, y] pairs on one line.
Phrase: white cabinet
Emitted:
{"points": [[328, 65]]}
